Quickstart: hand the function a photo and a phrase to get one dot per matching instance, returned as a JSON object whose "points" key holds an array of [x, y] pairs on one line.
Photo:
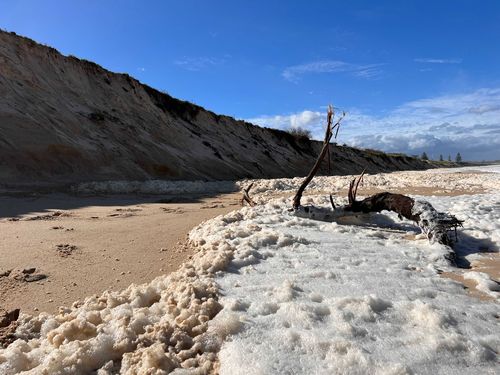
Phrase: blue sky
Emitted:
{"points": [[413, 75]]}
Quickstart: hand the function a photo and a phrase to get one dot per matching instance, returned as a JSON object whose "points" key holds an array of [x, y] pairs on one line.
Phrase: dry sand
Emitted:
{"points": [[85, 245]]}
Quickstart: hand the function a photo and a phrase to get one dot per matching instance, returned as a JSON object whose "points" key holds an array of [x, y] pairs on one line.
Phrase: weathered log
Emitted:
{"points": [[398, 203], [436, 225]]}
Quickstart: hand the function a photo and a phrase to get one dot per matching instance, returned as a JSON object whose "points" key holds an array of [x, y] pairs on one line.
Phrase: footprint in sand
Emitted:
{"points": [[65, 250]]}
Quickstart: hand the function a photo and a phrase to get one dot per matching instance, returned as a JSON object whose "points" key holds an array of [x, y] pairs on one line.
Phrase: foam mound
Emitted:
{"points": [[149, 328]]}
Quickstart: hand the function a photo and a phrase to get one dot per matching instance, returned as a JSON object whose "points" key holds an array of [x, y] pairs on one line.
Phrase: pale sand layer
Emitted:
{"points": [[119, 241]]}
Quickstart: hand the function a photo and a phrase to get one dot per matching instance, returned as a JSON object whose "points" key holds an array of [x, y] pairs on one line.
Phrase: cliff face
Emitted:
{"points": [[65, 120]]}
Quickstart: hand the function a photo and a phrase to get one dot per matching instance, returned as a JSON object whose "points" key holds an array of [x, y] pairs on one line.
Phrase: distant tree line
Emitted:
{"points": [[458, 157]]}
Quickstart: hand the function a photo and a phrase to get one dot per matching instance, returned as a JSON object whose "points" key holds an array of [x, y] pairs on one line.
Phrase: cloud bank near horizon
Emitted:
{"points": [[468, 123]]}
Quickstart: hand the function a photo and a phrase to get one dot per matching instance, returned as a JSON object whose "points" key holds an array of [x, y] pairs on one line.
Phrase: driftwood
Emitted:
{"points": [[246, 197], [436, 225], [324, 151]]}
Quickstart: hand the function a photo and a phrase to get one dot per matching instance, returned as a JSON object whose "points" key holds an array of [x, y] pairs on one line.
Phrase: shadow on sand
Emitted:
{"points": [[463, 246], [467, 245], [16, 205]]}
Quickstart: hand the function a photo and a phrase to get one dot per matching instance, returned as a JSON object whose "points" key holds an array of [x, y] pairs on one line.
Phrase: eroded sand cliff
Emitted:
{"points": [[65, 120]]}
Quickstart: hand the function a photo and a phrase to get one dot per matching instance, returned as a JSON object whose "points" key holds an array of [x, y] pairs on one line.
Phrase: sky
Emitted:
{"points": [[412, 76]]}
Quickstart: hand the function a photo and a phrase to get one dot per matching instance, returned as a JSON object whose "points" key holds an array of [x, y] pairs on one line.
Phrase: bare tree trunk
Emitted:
{"points": [[398, 203], [302, 187], [324, 150]]}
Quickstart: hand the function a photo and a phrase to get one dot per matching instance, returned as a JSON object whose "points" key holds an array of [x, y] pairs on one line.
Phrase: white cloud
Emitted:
{"points": [[467, 123], [195, 64], [438, 61], [485, 108], [367, 71], [304, 119], [293, 73]]}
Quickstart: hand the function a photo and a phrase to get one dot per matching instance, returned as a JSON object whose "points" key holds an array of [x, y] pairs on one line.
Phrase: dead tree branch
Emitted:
{"points": [[353, 187], [324, 150], [246, 197], [332, 203]]}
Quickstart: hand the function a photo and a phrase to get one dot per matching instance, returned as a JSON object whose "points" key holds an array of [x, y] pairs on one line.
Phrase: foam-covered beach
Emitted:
{"points": [[271, 291]]}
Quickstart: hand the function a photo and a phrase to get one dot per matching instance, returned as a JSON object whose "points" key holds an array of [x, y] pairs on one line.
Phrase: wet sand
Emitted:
{"points": [[489, 264]]}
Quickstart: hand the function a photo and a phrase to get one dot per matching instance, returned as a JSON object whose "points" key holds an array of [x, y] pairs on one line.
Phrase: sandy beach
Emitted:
{"points": [[85, 245]]}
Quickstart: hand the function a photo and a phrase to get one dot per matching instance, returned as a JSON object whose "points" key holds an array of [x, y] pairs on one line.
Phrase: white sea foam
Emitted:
{"points": [[347, 299], [152, 327], [444, 179]]}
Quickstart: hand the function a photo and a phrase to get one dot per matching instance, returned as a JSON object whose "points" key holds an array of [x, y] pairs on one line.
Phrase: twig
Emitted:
{"points": [[331, 201], [353, 187], [246, 197]]}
